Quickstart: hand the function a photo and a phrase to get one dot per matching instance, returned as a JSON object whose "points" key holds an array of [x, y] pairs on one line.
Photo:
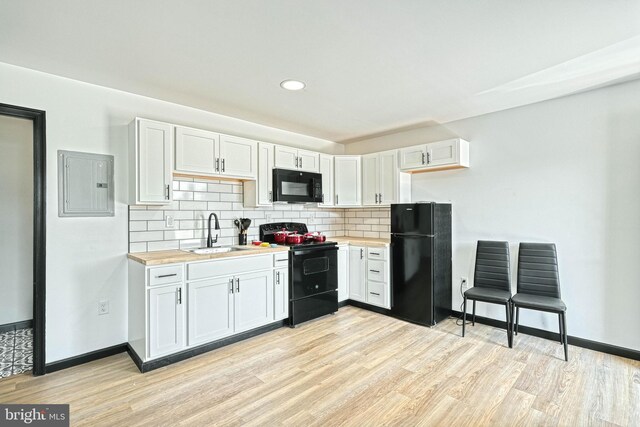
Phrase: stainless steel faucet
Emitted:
{"points": [[210, 240]]}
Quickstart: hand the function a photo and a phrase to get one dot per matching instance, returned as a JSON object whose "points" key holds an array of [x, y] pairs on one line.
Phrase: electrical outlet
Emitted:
{"points": [[464, 282], [169, 221], [103, 307], [268, 216], [312, 218]]}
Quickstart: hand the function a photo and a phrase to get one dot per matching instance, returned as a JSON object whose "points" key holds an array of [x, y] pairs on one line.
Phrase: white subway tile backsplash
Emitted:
{"points": [[145, 215], [196, 199]]}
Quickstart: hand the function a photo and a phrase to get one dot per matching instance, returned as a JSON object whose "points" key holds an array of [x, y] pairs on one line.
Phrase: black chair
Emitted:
{"points": [[491, 281], [539, 285]]}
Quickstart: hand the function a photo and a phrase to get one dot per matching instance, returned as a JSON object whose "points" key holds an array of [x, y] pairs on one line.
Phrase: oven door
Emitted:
{"points": [[314, 271], [296, 187]]}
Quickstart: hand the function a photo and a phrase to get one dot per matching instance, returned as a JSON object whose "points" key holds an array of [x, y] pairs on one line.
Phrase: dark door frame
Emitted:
{"points": [[39, 226]]}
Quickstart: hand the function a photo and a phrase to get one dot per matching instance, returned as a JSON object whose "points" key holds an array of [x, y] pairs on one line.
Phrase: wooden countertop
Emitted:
{"points": [[366, 241], [173, 256]]}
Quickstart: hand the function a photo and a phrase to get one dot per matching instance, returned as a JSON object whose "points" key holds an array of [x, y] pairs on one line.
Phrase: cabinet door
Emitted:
{"points": [[348, 181], [308, 161], [196, 150], [343, 273], [265, 173], [153, 168], [210, 310], [286, 157], [370, 179], [238, 156], [413, 157], [388, 177], [253, 300], [281, 294], [442, 153], [326, 169], [357, 275], [166, 320]]}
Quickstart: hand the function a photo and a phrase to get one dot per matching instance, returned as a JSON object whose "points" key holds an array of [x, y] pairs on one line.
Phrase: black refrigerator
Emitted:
{"points": [[421, 262]]}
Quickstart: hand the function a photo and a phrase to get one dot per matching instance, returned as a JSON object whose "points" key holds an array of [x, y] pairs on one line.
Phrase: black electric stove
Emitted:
{"points": [[313, 274]]}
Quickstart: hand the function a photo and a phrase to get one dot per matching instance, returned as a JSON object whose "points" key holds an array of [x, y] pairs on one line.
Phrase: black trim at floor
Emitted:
{"points": [[24, 324], [85, 358], [541, 333], [186, 354]]}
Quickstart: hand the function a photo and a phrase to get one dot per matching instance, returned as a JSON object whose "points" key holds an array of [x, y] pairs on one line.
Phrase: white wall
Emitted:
{"points": [[564, 171], [16, 219], [86, 256]]}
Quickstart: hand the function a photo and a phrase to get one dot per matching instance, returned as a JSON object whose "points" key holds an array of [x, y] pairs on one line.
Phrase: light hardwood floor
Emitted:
{"points": [[356, 368]]}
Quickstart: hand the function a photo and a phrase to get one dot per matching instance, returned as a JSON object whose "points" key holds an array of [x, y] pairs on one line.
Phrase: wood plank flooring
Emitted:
{"points": [[356, 368]]}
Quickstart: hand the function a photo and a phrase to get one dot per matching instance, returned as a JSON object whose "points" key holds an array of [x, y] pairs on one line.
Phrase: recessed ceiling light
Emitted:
{"points": [[292, 85]]}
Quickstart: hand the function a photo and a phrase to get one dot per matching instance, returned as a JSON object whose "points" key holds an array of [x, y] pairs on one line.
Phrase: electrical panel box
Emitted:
{"points": [[85, 184]]}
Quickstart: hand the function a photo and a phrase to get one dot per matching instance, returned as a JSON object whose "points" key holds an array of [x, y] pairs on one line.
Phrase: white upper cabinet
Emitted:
{"points": [[370, 179], [382, 182], [209, 153], [150, 162], [348, 181], [328, 187], [449, 154], [196, 150], [238, 157], [260, 191], [293, 158]]}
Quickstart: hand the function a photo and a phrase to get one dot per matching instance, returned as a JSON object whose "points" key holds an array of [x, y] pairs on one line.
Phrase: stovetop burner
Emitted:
{"points": [[267, 234]]}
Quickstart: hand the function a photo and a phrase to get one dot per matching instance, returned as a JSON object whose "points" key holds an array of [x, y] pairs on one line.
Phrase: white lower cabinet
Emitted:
{"points": [[253, 300], [357, 274], [210, 314], [281, 294], [220, 298], [368, 275], [166, 320], [343, 273]]}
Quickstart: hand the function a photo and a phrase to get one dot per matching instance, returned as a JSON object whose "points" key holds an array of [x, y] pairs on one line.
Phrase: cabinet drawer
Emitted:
{"points": [[377, 253], [377, 271], [228, 267], [165, 275], [281, 259], [376, 294]]}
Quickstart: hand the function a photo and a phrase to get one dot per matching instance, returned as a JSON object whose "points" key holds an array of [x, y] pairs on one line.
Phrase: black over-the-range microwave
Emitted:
{"points": [[297, 187]]}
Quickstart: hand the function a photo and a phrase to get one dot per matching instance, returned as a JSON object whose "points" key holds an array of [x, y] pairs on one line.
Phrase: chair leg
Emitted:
{"points": [[560, 328], [564, 333], [464, 314], [517, 319], [508, 319], [473, 322]]}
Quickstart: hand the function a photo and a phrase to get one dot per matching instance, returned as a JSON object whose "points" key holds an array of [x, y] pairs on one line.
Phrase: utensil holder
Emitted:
{"points": [[242, 239]]}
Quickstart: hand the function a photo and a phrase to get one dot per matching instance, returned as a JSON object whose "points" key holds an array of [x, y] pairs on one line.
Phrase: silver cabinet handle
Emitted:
{"points": [[380, 198], [179, 295], [237, 284], [167, 190], [375, 253], [301, 162], [428, 158], [271, 196], [336, 199], [296, 161], [374, 293], [361, 253], [166, 275], [218, 164], [231, 285], [376, 198], [375, 271], [277, 277], [423, 158], [223, 168]]}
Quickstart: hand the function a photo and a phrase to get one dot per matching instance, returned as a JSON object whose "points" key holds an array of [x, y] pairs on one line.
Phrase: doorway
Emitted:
{"points": [[34, 332]]}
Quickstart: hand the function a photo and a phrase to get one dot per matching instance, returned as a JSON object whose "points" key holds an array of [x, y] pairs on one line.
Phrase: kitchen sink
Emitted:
{"points": [[217, 250]]}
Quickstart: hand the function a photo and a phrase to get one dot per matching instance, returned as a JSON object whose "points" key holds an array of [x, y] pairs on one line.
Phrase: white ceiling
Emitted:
{"points": [[370, 65]]}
